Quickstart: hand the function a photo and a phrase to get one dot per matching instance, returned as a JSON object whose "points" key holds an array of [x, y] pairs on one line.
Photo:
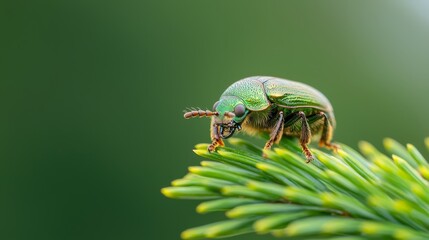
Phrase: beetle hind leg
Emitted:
{"points": [[327, 130]]}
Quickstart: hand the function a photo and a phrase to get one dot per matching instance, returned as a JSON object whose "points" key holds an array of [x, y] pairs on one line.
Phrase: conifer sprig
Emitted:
{"points": [[344, 196]]}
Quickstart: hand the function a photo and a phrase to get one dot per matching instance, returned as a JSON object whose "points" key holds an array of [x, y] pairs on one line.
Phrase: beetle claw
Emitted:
{"points": [[309, 159], [211, 148]]}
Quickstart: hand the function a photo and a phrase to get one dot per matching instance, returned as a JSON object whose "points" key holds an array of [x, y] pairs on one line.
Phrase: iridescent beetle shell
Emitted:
{"points": [[274, 105]]}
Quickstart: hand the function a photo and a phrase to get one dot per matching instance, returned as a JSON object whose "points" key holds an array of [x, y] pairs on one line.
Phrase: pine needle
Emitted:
{"points": [[344, 195]]}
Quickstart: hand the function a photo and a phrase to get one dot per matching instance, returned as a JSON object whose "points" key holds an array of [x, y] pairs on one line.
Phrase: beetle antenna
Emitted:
{"points": [[199, 113], [229, 114]]}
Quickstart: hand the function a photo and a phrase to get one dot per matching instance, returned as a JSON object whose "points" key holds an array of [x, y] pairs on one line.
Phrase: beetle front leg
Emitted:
{"points": [[276, 134], [215, 136]]}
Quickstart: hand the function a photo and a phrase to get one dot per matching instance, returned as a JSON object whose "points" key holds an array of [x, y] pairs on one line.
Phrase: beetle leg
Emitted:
{"points": [[276, 134], [215, 137], [305, 137], [327, 130]]}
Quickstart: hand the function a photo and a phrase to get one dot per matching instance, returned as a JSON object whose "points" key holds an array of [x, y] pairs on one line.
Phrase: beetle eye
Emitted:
{"points": [[239, 110], [215, 105]]}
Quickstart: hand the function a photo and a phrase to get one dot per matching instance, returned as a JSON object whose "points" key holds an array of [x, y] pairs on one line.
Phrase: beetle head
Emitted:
{"points": [[228, 113], [231, 112]]}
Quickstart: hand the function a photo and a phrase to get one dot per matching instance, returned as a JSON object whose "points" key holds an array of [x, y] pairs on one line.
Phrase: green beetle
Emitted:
{"points": [[274, 105]]}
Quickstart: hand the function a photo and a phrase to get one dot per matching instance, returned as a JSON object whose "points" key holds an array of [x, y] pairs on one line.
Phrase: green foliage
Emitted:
{"points": [[347, 195]]}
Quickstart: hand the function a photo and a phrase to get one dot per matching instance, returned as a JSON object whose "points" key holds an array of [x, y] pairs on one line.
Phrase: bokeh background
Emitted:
{"points": [[92, 93]]}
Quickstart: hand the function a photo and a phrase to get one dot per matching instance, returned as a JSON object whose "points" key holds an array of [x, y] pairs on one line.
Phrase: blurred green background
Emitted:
{"points": [[92, 93]]}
